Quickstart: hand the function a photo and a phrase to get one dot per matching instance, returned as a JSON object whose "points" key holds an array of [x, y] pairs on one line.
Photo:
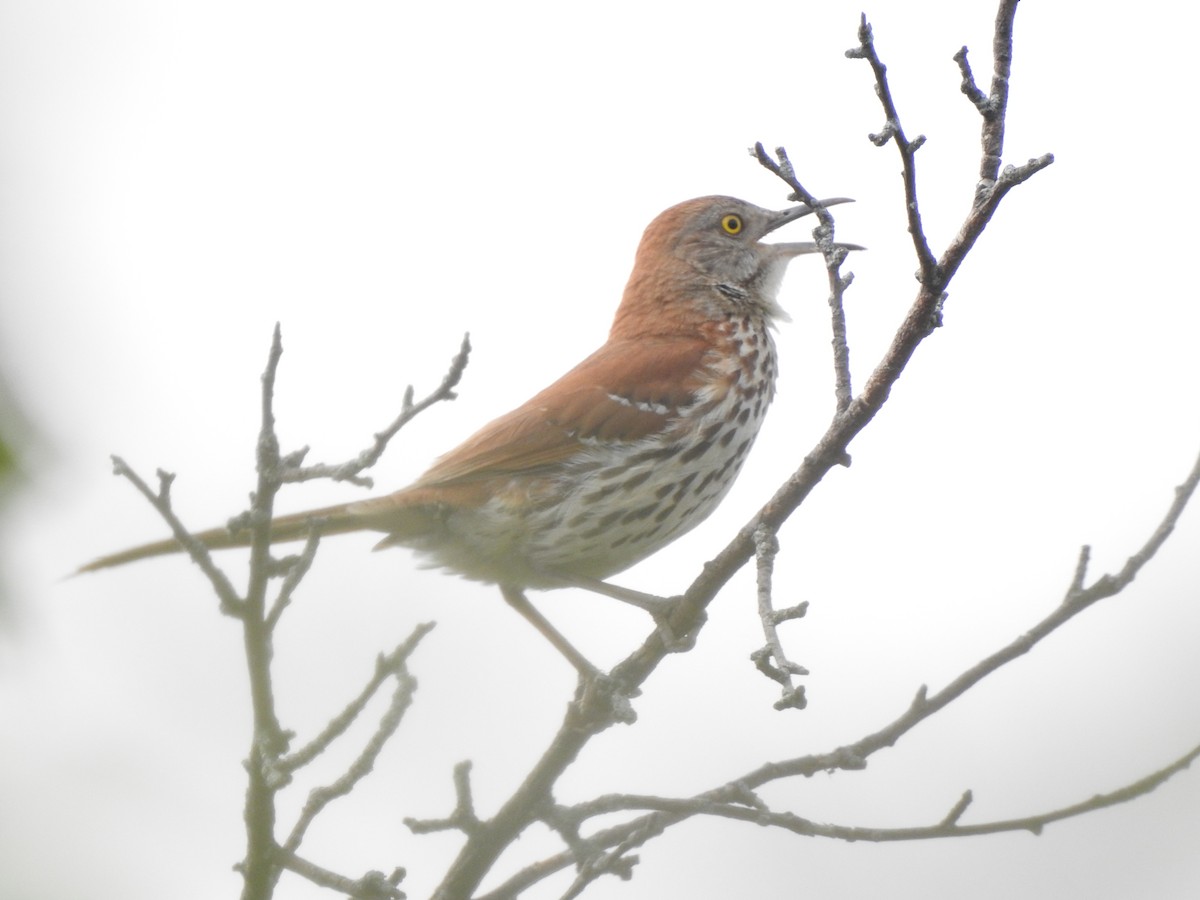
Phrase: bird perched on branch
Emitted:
{"points": [[620, 456]]}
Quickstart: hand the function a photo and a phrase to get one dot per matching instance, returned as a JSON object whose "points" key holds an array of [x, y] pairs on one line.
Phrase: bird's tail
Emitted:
{"points": [[295, 527]]}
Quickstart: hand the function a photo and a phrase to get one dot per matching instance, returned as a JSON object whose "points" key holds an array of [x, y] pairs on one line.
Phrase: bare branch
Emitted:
{"points": [[259, 868], [463, 818], [616, 862], [295, 567], [957, 810], [267, 772], [391, 665], [668, 812], [270, 736], [781, 669], [992, 136], [969, 88], [843, 394], [351, 470], [231, 603], [893, 131], [834, 257], [372, 886], [1085, 556], [320, 797], [1108, 585], [947, 828]]}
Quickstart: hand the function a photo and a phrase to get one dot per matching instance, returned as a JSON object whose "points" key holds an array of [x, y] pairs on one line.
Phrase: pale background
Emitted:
{"points": [[382, 177]]}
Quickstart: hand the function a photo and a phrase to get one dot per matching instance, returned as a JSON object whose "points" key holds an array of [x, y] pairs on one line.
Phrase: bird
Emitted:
{"points": [[620, 456]]}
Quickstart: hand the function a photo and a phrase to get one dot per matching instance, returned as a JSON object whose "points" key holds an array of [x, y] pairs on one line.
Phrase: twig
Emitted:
{"points": [[893, 131], [269, 737], [970, 89], [957, 810], [668, 812], [463, 817], [393, 664], [319, 798], [992, 137], [231, 603], [782, 669], [372, 886], [616, 862], [296, 568], [834, 256], [259, 869], [948, 827], [351, 470], [1081, 567], [1107, 585]]}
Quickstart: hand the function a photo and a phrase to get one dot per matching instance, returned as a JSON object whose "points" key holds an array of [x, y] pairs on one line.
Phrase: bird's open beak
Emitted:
{"points": [[783, 216], [792, 213]]}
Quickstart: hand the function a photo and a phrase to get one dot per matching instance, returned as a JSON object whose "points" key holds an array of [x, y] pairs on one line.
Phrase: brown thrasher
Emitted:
{"points": [[626, 452]]}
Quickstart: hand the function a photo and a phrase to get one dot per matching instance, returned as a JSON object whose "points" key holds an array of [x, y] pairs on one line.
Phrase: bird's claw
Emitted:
{"points": [[672, 641]]}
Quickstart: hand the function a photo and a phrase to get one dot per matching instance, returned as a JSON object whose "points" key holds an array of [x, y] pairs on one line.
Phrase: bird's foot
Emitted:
{"points": [[661, 609], [672, 640], [601, 695]]}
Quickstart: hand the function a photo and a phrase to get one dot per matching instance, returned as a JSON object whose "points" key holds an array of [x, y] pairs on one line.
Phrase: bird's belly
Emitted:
{"points": [[610, 508]]}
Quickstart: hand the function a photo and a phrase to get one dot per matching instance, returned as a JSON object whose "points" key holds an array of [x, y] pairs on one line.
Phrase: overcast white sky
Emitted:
{"points": [[383, 177]]}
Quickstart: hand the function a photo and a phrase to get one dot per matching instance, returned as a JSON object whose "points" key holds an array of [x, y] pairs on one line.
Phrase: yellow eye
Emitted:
{"points": [[731, 223]]}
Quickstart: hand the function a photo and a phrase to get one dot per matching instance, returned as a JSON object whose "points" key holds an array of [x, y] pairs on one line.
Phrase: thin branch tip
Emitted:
{"points": [[956, 811]]}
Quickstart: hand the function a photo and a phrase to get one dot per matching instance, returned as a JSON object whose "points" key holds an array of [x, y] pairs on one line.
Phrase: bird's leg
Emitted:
{"points": [[655, 605], [516, 598], [660, 608]]}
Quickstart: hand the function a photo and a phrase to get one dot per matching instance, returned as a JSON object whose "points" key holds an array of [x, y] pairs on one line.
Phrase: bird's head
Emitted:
{"points": [[706, 258]]}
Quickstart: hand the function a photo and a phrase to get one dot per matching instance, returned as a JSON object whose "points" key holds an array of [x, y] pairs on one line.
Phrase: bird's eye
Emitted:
{"points": [[731, 223]]}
